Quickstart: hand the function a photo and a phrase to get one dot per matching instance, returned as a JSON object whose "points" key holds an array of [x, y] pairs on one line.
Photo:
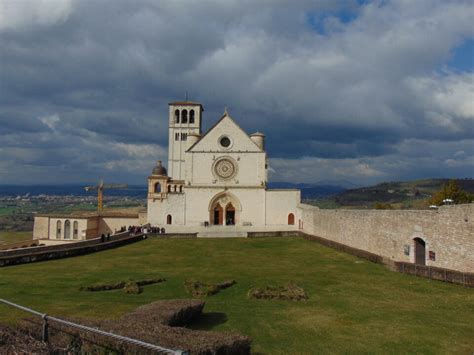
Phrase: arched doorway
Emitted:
{"points": [[67, 229], [169, 219], [224, 209], [420, 251], [229, 214], [218, 215], [291, 219]]}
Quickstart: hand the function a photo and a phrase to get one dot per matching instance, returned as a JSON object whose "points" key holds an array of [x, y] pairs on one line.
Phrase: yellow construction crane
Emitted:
{"points": [[100, 191]]}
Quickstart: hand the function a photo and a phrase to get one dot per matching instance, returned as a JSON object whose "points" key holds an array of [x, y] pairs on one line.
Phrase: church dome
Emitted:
{"points": [[159, 169]]}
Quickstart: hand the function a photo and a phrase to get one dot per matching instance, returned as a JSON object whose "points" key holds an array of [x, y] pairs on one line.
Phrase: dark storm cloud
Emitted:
{"points": [[341, 89]]}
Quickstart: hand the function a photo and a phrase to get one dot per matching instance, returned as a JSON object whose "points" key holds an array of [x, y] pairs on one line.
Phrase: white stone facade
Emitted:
{"points": [[216, 179]]}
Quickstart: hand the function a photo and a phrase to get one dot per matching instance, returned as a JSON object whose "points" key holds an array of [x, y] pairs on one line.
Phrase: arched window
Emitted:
{"points": [[175, 188], [169, 188], [75, 230], [184, 116], [181, 188], [291, 219], [157, 187], [169, 219], [58, 230], [176, 116], [191, 116], [67, 229]]}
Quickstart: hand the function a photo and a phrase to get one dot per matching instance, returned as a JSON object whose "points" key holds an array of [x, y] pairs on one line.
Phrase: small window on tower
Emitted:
{"points": [[184, 116], [176, 136], [176, 116], [191, 116]]}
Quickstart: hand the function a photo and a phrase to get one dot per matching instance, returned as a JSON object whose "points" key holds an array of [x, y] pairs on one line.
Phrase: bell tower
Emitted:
{"points": [[184, 118]]}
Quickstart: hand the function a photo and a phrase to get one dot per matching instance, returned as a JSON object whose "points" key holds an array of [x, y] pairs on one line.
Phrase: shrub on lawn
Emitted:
{"points": [[132, 288], [128, 286], [104, 287], [289, 292], [200, 289]]}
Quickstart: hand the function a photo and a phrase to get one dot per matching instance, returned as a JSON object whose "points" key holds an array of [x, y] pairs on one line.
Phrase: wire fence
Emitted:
{"points": [[45, 331]]}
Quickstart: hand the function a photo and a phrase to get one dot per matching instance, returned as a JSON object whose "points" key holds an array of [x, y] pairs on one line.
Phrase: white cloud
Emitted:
{"points": [[26, 14], [50, 121]]}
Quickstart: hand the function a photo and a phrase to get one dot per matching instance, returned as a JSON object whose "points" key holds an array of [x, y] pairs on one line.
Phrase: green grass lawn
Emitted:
{"points": [[13, 237], [354, 306]]}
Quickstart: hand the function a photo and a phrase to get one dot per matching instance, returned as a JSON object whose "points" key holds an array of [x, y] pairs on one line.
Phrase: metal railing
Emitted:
{"points": [[45, 331]]}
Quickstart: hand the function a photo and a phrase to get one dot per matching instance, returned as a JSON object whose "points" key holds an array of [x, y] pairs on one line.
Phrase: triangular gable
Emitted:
{"points": [[225, 126]]}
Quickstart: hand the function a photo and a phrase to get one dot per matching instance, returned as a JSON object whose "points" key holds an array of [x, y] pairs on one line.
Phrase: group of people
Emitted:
{"points": [[146, 229]]}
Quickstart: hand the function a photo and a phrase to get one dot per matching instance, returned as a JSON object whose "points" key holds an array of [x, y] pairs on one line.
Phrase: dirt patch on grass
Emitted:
{"points": [[289, 292], [156, 323], [130, 286], [201, 289]]}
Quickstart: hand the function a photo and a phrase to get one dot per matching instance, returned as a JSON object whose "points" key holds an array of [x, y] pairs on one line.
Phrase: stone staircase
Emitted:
{"points": [[222, 232]]}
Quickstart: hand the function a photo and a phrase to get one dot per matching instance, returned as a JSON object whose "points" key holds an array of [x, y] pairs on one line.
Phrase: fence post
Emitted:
{"points": [[45, 328]]}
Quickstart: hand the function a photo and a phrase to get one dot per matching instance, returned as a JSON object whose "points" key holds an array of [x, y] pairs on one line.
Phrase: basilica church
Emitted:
{"points": [[215, 186], [218, 178]]}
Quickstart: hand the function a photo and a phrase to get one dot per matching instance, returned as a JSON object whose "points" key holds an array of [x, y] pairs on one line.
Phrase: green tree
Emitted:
{"points": [[451, 190], [383, 206]]}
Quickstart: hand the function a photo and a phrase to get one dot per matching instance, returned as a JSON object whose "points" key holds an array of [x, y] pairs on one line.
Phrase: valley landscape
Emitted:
{"points": [[19, 204]]}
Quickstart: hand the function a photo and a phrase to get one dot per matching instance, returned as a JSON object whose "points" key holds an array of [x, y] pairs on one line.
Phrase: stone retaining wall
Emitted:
{"points": [[64, 251], [447, 232]]}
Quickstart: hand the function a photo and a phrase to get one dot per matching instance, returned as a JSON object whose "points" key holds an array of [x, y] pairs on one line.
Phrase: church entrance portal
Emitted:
{"points": [[227, 215]]}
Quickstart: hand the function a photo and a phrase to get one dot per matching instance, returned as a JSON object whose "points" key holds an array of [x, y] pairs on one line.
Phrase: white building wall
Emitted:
{"points": [[113, 224], [82, 227], [174, 205], [250, 169], [279, 204]]}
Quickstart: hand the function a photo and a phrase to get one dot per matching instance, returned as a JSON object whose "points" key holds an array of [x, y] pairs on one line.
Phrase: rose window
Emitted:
{"points": [[225, 169]]}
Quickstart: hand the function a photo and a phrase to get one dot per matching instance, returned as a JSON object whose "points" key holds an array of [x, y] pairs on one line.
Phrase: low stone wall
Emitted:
{"points": [[378, 259], [436, 273], [173, 235], [293, 233], [16, 257], [63, 245], [22, 244]]}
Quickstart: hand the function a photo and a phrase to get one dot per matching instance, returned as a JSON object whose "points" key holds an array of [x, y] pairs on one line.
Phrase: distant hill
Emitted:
{"points": [[67, 190], [399, 194]]}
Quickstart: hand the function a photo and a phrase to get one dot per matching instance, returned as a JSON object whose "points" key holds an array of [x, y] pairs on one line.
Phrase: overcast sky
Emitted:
{"points": [[360, 91]]}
